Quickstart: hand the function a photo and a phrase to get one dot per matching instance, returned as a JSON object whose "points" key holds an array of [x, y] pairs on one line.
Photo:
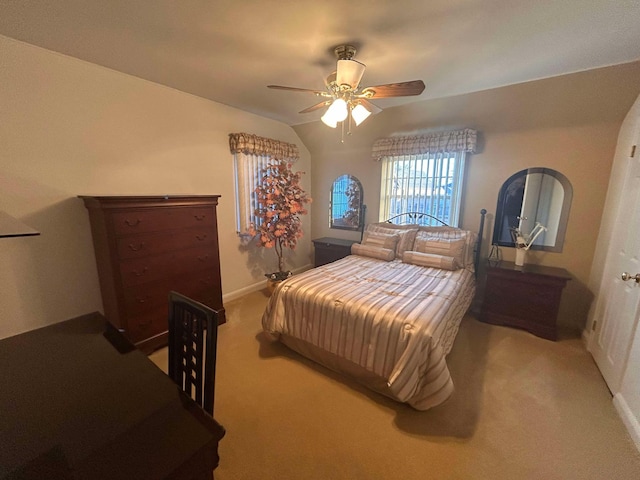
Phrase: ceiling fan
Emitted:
{"points": [[344, 96]]}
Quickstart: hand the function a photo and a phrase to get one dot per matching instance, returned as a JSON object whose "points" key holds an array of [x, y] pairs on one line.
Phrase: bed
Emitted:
{"points": [[387, 315]]}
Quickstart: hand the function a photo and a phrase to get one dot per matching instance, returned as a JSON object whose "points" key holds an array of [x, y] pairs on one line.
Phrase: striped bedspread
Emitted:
{"points": [[394, 320]]}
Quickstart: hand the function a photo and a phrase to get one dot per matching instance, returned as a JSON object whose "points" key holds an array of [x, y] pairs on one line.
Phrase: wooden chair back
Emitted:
{"points": [[193, 335]]}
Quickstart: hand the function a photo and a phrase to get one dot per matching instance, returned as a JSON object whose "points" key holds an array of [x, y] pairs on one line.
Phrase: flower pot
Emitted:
{"points": [[521, 255], [274, 279]]}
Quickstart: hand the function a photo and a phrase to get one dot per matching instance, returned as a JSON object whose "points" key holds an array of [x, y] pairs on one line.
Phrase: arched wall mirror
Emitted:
{"points": [[534, 195], [345, 206]]}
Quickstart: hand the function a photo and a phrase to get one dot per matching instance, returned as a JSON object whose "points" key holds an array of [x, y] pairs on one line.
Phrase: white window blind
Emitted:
{"points": [[428, 183], [249, 169], [424, 173], [251, 155]]}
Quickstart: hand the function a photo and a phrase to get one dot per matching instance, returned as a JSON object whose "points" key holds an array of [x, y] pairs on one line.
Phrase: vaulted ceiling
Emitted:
{"points": [[230, 50]]}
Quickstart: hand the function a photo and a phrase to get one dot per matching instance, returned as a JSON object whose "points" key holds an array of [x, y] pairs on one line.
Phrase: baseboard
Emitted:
{"points": [[227, 297], [628, 418]]}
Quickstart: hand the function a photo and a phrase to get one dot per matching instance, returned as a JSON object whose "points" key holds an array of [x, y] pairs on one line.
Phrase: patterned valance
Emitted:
{"points": [[254, 145], [453, 141]]}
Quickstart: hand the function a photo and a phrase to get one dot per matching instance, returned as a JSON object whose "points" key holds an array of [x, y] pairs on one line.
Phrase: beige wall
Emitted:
{"points": [[70, 128], [568, 123]]}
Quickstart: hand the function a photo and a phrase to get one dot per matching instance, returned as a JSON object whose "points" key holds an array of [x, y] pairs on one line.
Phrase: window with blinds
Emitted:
{"points": [[248, 172], [428, 183]]}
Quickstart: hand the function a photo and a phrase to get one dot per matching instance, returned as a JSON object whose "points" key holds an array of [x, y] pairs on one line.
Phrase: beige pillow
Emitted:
{"points": [[386, 254], [406, 237], [449, 247], [382, 240], [430, 260], [450, 234]]}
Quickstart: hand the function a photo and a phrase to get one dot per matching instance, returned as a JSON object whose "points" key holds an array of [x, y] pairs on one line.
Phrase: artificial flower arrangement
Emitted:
{"points": [[281, 200], [524, 241]]}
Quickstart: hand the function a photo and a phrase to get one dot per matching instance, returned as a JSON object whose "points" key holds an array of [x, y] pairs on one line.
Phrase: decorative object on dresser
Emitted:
{"points": [[532, 196], [329, 249], [147, 246], [524, 297]]}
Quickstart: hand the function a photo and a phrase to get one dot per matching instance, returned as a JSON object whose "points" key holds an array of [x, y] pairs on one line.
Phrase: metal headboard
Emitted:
{"points": [[415, 218], [419, 217]]}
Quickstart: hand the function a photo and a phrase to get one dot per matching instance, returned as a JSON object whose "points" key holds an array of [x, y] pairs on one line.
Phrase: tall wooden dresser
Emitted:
{"points": [[147, 246]]}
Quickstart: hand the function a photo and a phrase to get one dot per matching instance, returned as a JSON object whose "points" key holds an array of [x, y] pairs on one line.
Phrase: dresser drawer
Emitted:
{"points": [[194, 260], [149, 296], [157, 243], [524, 297], [143, 298], [204, 287], [143, 221], [148, 324], [136, 271]]}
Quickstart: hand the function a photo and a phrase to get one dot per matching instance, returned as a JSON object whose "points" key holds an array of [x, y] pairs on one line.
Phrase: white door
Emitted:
{"points": [[617, 310]]}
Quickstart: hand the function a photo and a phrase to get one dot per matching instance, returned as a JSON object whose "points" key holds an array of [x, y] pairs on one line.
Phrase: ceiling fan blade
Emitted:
{"points": [[317, 106], [370, 106], [296, 89], [402, 89]]}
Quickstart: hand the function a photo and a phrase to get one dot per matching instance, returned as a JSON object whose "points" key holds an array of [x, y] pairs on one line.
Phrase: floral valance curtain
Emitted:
{"points": [[254, 145], [452, 141]]}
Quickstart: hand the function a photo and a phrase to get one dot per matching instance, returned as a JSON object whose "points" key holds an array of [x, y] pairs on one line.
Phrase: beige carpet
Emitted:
{"points": [[524, 408]]}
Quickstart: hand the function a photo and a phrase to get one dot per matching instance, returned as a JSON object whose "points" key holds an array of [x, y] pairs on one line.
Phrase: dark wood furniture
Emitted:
{"points": [[146, 247], [78, 400], [193, 338], [526, 297], [329, 249]]}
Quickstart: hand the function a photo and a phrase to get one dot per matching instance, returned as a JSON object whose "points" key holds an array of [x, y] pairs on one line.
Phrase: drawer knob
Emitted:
{"points": [[136, 248], [199, 217], [142, 272], [202, 258], [201, 237], [142, 299], [132, 223]]}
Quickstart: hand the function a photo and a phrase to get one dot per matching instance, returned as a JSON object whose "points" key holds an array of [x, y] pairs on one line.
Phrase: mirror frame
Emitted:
{"points": [[564, 212], [333, 221]]}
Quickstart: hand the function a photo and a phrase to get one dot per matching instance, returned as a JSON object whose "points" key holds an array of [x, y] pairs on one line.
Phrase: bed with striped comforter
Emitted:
{"points": [[388, 325]]}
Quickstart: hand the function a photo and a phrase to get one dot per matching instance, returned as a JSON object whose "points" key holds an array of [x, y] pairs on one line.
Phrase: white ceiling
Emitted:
{"points": [[229, 50]]}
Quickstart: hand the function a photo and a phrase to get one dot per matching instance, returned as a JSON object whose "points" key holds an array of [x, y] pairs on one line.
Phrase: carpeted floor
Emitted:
{"points": [[524, 408]]}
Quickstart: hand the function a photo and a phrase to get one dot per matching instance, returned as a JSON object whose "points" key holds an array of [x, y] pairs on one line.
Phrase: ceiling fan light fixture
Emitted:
{"points": [[328, 120], [349, 72], [360, 114], [337, 112]]}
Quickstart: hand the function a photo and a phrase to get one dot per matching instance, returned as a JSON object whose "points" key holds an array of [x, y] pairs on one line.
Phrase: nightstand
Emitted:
{"points": [[525, 297], [329, 249]]}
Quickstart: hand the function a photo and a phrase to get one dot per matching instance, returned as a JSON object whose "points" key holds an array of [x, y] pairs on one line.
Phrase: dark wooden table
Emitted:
{"points": [[77, 401]]}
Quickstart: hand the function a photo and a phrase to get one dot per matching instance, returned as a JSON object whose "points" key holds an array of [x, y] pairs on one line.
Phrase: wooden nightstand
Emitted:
{"points": [[331, 249], [525, 297]]}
